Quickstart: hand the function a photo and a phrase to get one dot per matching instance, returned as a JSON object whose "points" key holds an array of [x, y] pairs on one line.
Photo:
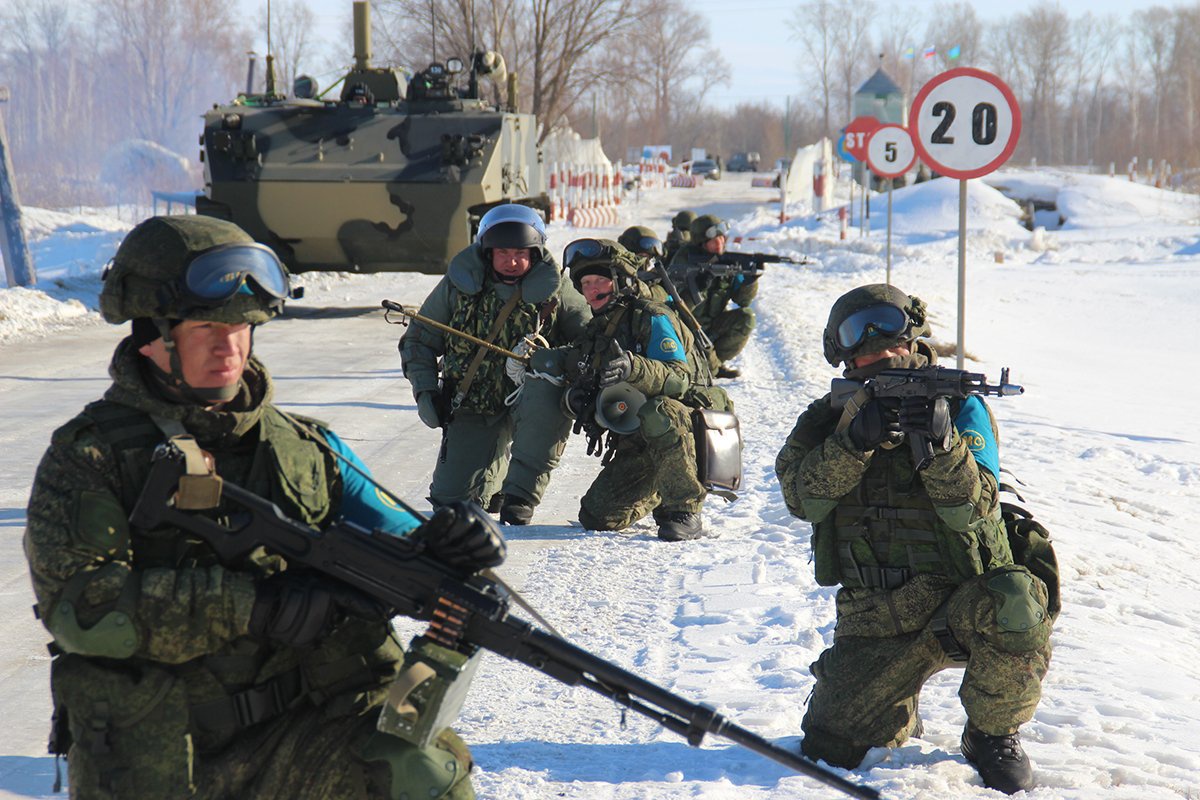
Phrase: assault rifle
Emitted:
{"points": [[926, 382], [703, 267], [465, 611]]}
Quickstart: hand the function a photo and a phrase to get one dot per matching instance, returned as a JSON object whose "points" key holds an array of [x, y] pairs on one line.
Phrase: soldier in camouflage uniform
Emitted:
{"points": [[641, 242], [679, 235], [923, 559], [176, 674], [503, 288], [634, 340], [728, 328]]}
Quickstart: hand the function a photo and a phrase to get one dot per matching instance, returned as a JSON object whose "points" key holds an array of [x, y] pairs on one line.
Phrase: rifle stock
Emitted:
{"points": [[465, 611]]}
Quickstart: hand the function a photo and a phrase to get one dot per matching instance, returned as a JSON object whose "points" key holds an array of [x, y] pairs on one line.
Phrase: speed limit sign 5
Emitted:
{"points": [[890, 151], [965, 122]]}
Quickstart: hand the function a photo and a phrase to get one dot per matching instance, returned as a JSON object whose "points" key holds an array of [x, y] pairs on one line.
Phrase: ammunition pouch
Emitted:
{"points": [[718, 449], [428, 693], [126, 726]]}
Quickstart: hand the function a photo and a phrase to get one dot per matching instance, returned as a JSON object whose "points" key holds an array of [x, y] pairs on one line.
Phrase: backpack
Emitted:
{"points": [[1032, 549]]}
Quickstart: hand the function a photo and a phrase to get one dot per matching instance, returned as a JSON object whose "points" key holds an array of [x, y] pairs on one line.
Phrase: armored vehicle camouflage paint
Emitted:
{"points": [[393, 176]]}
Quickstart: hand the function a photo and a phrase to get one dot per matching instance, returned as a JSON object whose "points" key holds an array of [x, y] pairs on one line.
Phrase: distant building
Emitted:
{"points": [[882, 99]]}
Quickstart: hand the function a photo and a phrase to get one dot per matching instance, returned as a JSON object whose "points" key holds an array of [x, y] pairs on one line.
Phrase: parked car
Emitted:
{"points": [[706, 167], [743, 162]]}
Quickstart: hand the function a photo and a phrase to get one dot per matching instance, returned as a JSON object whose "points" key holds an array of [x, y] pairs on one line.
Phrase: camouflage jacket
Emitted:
{"points": [[133, 600], [661, 348], [469, 300], [873, 513], [717, 293]]}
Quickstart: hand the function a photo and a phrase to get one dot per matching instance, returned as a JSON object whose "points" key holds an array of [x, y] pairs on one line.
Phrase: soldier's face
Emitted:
{"points": [[715, 246], [212, 354], [596, 290], [511, 262], [871, 358]]}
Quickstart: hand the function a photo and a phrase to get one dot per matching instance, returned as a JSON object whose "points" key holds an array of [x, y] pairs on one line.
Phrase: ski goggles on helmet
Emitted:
{"points": [[649, 244], [214, 276], [583, 250], [713, 231], [883, 319]]}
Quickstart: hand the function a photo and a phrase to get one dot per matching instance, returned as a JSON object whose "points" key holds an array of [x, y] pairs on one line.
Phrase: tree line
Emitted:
{"points": [[85, 78]]}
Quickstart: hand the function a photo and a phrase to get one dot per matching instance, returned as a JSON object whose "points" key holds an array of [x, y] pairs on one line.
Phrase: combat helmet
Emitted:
{"points": [[870, 319], [188, 267], [706, 227], [193, 267], [641, 240], [601, 257], [682, 221], [512, 226]]}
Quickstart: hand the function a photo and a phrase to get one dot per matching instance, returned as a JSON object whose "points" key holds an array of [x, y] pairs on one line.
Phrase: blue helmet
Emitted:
{"points": [[511, 226]]}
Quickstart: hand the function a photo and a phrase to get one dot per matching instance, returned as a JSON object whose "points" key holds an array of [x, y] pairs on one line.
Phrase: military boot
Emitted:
{"points": [[494, 503], [678, 526], [1000, 760], [728, 372], [515, 510]]}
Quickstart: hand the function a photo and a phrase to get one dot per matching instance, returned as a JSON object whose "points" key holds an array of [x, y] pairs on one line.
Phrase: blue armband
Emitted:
{"points": [[974, 425], [364, 503], [665, 344]]}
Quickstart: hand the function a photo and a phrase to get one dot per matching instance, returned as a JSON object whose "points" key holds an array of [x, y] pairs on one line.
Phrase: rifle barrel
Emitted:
{"points": [[390, 305]]}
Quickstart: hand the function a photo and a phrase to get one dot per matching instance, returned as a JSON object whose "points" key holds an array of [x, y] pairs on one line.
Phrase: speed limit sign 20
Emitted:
{"points": [[890, 151], [965, 122]]}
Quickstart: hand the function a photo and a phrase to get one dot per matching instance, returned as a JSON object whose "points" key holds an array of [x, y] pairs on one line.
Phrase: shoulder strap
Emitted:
{"points": [[469, 378]]}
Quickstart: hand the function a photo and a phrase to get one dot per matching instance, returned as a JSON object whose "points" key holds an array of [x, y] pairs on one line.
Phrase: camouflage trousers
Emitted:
{"points": [[730, 331], [868, 683], [303, 754], [652, 468], [513, 452]]}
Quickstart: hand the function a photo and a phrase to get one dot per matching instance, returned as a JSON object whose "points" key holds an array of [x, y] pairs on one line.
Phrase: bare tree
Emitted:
{"points": [[814, 25], [292, 33]]}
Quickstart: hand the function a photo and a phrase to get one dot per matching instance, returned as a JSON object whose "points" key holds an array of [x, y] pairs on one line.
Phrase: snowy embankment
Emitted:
{"points": [[1093, 321]]}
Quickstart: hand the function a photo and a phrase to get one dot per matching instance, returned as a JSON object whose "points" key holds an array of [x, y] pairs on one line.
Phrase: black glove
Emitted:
{"points": [[462, 535], [298, 609], [928, 418], [617, 368], [431, 409], [875, 423]]}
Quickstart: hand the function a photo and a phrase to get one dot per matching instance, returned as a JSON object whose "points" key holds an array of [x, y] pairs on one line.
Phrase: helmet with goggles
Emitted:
{"points": [[600, 257], [193, 267], [871, 319], [641, 240], [706, 227]]}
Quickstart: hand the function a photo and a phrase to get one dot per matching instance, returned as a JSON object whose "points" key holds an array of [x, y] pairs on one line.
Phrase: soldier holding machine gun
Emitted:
{"points": [[931, 578]]}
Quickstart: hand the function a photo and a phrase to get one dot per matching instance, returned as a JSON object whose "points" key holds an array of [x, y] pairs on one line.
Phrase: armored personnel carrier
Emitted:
{"points": [[392, 176]]}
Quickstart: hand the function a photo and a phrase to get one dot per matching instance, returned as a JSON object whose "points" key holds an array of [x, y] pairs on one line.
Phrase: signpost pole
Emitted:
{"points": [[891, 183], [962, 272]]}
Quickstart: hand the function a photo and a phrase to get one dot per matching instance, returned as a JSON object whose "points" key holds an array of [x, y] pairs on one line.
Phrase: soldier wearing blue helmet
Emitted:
{"points": [[504, 288]]}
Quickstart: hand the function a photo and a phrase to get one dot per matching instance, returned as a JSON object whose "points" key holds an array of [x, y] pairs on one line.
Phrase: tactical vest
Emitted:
{"points": [[476, 314], [248, 681], [886, 531]]}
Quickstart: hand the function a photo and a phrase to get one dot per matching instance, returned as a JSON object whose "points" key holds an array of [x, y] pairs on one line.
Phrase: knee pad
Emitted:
{"points": [[1020, 620], [438, 771], [656, 422]]}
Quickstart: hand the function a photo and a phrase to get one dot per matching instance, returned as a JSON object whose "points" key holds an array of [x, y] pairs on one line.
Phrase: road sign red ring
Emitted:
{"points": [[897, 173], [936, 81]]}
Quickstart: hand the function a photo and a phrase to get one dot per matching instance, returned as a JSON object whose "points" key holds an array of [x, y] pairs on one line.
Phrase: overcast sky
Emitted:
{"points": [[754, 38]]}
